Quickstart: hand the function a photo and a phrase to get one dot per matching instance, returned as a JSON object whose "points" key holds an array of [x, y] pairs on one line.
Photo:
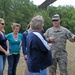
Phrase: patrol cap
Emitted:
{"points": [[56, 17]]}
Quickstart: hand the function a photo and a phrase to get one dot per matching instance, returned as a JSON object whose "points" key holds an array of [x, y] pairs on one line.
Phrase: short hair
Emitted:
{"points": [[36, 22], [15, 25]]}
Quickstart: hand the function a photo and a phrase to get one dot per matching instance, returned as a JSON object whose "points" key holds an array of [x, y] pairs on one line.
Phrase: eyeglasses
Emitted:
{"points": [[54, 20], [2, 23]]}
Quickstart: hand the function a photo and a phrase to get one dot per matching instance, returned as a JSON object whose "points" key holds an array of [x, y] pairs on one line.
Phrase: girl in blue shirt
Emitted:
{"points": [[14, 41]]}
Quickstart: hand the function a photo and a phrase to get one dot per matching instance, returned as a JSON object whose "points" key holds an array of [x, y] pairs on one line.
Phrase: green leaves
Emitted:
{"points": [[21, 11]]}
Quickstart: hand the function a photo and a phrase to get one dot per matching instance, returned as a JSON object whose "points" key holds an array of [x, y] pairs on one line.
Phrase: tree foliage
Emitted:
{"points": [[21, 11], [67, 15]]}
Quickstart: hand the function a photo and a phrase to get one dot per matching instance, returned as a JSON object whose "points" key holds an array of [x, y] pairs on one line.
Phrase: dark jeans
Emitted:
{"points": [[12, 63]]}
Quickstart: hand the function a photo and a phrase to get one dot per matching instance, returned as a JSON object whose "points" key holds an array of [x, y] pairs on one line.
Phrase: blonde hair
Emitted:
{"points": [[3, 30], [1, 19], [15, 25]]}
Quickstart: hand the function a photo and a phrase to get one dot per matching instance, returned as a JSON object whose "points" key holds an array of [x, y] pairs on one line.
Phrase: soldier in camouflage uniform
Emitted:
{"points": [[58, 35]]}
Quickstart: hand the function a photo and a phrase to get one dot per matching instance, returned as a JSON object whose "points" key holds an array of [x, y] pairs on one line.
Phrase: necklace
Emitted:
{"points": [[15, 36]]}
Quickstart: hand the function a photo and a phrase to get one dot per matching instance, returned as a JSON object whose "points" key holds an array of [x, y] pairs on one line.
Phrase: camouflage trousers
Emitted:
{"points": [[62, 64]]}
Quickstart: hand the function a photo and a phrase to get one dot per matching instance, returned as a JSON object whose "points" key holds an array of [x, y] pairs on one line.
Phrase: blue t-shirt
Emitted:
{"points": [[14, 45]]}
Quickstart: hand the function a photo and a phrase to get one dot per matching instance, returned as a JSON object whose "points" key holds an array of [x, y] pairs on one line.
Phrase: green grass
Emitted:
{"points": [[70, 47], [71, 61]]}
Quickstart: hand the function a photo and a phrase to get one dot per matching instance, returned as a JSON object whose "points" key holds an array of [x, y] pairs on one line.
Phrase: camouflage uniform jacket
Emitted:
{"points": [[59, 44]]}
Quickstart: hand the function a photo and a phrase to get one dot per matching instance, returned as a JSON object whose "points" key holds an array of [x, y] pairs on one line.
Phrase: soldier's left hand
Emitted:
{"points": [[73, 37]]}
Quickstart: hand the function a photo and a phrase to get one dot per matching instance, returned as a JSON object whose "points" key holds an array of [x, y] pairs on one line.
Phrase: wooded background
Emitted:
{"points": [[21, 11]]}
